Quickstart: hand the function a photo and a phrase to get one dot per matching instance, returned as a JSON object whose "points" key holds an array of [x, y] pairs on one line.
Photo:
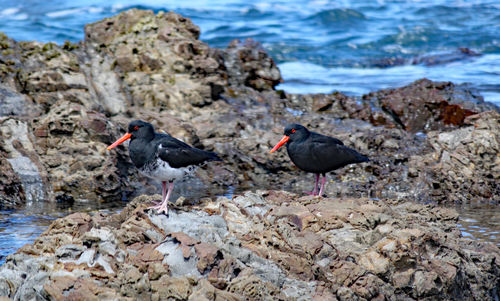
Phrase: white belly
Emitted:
{"points": [[162, 171]]}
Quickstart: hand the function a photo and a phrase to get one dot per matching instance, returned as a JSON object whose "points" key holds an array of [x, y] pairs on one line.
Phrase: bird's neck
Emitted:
{"points": [[141, 151], [300, 138]]}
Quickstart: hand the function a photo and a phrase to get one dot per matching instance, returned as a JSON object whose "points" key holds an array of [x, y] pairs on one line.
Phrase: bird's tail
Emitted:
{"points": [[214, 157], [362, 158], [355, 156]]}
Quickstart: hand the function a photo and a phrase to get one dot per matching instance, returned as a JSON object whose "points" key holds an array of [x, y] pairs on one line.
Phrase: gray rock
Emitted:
{"points": [[30, 178], [15, 103]]}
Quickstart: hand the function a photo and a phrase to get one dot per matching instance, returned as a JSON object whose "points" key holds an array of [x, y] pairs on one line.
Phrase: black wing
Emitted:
{"points": [[333, 153], [179, 154], [322, 139]]}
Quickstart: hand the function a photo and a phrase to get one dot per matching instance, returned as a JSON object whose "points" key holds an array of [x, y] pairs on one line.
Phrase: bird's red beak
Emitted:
{"points": [[282, 141], [117, 142]]}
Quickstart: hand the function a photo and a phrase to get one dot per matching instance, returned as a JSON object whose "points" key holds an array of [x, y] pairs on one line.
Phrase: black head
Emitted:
{"points": [[296, 132], [136, 129], [293, 132], [141, 129]]}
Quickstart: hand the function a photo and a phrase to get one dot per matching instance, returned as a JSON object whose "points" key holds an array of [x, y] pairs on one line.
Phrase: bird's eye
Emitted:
{"points": [[293, 131], [136, 128]]}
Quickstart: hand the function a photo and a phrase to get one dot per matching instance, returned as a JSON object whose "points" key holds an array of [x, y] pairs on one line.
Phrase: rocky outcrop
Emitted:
{"points": [[157, 61], [248, 64], [269, 245], [468, 168], [426, 105], [11, 188], [75, 99], [66, 103], [21, 176]]}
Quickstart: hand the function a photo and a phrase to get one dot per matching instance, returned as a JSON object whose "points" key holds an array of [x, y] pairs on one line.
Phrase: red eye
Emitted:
{"points": [[136, 128], [293, 131]]}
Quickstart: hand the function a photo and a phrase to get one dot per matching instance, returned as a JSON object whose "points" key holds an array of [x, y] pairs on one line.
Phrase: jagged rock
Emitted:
{"points": [[468, 160], [15, 103], [24, 178], [247, 63], [269, 245], [425, 105], [11, 188], [71, 142], [158, 60]]}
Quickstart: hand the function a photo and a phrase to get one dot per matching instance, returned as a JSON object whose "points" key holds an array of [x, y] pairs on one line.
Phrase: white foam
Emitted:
{"points": [[9, 11], [13, 13], [64, 12], [19, 17], [95, 10]]}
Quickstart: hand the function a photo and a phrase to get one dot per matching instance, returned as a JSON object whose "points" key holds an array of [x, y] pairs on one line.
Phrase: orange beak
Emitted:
{"points": [[282, 141], [117, 142]]}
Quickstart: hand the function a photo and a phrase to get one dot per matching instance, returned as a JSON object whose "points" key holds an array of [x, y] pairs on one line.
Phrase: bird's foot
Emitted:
{"points": [[155, 207], [164, 210], [156, 203], [160, 208]]}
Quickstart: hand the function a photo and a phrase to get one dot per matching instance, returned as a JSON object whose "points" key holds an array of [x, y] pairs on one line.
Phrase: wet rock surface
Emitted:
{"points": [[268, 245]]}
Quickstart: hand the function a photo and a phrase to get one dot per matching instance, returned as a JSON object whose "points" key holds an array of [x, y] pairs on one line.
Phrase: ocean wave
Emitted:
{"points": [[13, 13], [385, 39], [9, 11], [337, 15], [74, 11]]}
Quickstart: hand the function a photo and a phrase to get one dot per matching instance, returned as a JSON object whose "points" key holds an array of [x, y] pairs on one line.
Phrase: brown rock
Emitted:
{"points": [[64, 288], [297, 214], [426, 105], [248, 64], [207, 255], [226, 270], [467, 162], [146, 256], [374, 262], [58, 286], [186, 242], [205, 291], [253, 287], [323, 294], [171, 288], [406, 250]]}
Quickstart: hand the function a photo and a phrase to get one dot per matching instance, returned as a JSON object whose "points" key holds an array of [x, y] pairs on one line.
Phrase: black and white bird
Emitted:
{"points": [[162, 157], [313, 152]]}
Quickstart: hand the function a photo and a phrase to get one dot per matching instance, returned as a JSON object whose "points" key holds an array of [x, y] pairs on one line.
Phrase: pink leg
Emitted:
{"points": [[315, 190], [165, 196], [322, 189], [164, 204], [164, 191]]}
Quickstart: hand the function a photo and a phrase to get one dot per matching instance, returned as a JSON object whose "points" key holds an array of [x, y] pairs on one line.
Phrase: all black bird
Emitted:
{"points": [[313, 152], [162, 157]]}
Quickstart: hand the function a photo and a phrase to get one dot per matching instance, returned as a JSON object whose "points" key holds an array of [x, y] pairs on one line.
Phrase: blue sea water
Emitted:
{"points": [[320, 45]]}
